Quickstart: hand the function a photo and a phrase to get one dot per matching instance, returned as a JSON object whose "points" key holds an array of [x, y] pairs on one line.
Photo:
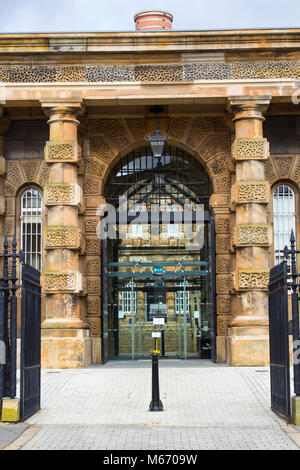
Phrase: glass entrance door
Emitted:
{"points": [[173, 284]]}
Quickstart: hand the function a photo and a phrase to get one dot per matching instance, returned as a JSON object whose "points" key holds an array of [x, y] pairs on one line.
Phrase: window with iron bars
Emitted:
{"points": [[284, 219], [31, 227]]}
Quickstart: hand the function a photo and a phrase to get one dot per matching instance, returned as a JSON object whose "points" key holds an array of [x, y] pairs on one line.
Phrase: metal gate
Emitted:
{"points": [[30, 377], [279, 340], [30, 331]]}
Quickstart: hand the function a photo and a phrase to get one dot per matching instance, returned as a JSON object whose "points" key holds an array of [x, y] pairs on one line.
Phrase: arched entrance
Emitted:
{"points": [[160, 264]]}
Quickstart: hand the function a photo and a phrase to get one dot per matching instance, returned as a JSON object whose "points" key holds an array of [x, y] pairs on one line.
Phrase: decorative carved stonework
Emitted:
{"points": [[65, 152], [256, 148], [270, 172], [101, 149], [218, 165], [94, 167], [136, 127], [223, 304], [223, 283], [222, 243], [92, 246], [92, 267], [9, 189], [251, 192], [251, 279], [222, 264], [63, 237], [62, 282], [214, 145], [252, 235], [91, 224], [93, 305], [111, 129], [178, 128], [92, 186], [69, 194], [94, 326], [14, 173], [284, 166], [222, 183], [30, 168], [222, 322], [222, 223], [93, 285], [2, 166], [43, 174]]}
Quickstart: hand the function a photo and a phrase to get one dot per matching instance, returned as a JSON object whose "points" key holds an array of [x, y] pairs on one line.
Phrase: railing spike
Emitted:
{"points": [[292, 239]]}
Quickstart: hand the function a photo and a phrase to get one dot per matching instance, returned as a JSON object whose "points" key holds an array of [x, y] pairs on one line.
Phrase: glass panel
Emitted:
{"points": [[284, 219], [31, 227]]}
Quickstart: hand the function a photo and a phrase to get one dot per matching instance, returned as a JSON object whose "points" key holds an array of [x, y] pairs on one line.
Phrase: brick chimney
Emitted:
{"points": [[153, 20]]}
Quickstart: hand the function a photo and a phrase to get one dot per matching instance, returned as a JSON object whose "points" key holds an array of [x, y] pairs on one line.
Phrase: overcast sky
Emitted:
{"points": [[117, 15]]}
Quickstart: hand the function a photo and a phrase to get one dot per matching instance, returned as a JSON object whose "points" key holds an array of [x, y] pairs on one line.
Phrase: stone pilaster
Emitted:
{"points": [[65, 334], [251, 236]]}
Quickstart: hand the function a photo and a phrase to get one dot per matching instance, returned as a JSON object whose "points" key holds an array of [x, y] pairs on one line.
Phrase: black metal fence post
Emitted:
{"points": [[295, 312], [13, 323], [156, 404]]}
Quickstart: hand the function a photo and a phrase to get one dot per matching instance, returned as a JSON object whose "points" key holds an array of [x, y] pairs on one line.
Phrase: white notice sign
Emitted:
{"points": [[158, 321], [156, 334]]}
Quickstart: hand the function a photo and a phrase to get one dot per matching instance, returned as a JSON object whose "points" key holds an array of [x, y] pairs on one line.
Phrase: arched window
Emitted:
{"points": [[31, 227], [284, 218]]}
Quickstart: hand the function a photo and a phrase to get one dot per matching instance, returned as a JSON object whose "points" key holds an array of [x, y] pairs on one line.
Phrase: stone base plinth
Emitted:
{"points": [[66, 349], [96, 350], [248, 346], [221, 347]]}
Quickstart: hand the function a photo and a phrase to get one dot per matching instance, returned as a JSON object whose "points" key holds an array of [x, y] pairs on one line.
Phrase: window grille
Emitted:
{"points": [[126, 299], [31, 227], [179, 298], [284, 219]]}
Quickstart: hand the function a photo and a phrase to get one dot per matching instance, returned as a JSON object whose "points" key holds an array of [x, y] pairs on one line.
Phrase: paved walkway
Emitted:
{"points": [[206, 407]]}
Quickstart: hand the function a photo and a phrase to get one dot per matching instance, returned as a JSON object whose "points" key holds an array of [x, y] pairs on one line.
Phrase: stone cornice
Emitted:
{"points": [[265, 39]]}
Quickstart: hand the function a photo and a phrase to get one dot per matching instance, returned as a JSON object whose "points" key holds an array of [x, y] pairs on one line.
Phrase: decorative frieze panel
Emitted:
{"points": [[252, 235], [62, 152], [148, 73], [218, 165], [215, 145], [251, 192], [250, 149], [60, 194], [251, 279], [64, 237], [14, 173], [62, 282], [136, 127]]}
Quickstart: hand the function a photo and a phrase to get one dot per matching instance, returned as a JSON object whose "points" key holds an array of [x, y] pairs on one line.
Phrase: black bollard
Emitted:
{"points": [[156, 404]]}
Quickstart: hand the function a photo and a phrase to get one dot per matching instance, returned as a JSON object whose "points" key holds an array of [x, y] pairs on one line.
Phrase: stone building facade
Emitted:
{"points": [[74, 105]]}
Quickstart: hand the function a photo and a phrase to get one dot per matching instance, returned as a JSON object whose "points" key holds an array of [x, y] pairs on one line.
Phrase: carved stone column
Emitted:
{"points": [[65, 335], [248, 333]]}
